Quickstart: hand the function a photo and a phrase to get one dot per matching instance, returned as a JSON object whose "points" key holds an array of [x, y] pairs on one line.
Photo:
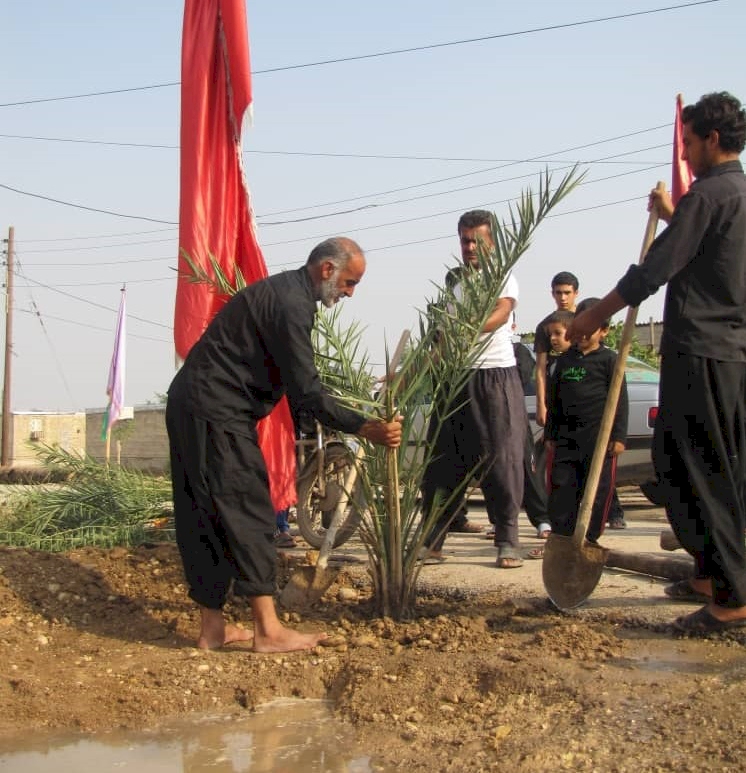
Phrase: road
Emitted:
{"points": [[470, 565]]}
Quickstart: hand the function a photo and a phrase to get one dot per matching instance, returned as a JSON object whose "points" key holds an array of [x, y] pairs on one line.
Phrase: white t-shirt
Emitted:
{"points": [[499, 352]]}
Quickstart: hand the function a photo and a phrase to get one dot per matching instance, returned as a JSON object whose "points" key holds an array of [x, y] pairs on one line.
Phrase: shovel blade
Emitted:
{"points": [[571, 571], [306, 586]]}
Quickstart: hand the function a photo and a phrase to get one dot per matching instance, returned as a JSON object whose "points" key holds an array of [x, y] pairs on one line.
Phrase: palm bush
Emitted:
{"points": [[97, 504]]}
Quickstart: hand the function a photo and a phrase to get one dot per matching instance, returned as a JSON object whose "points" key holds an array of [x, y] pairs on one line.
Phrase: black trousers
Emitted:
{"points": [[224, 517], [570, 466], [485, 435], [699, 455]]}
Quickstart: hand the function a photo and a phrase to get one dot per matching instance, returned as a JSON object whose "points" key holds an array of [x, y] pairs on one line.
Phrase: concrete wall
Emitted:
{"points": [[66, 430], [649, 333], [144, 443]]}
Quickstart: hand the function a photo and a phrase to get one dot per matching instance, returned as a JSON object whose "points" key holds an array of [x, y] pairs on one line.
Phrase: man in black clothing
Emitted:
{"points": [[699, 448], [255, 350], [577, 393]]}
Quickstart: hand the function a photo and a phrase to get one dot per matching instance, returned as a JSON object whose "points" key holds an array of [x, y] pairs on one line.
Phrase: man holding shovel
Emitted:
{"points": [[256, 349], [699, 449]]}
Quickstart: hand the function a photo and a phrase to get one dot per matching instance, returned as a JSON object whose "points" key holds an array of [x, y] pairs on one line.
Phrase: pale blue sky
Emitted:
{"points": [[493, 103]]}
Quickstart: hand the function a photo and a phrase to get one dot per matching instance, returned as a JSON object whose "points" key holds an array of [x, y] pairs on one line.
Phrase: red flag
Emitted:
{"points": [[681, 176], [215, 216]]}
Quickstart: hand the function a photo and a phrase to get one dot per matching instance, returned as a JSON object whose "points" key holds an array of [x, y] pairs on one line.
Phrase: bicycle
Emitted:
{"points": [[320, 484]]}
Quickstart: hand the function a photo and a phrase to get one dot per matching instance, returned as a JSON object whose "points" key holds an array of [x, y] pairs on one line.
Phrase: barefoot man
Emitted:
{"points": [[256, 349]]}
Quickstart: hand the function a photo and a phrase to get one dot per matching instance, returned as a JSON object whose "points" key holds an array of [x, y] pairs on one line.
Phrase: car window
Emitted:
{"points": [[640, 372], [637, 372]]}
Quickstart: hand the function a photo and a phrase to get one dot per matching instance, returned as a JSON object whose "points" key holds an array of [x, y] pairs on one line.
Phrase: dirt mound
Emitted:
{"points": [[98, 639]]}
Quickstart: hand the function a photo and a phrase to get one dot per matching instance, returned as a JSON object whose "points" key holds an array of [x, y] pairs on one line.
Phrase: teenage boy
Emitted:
{"points": [[565, 294]]}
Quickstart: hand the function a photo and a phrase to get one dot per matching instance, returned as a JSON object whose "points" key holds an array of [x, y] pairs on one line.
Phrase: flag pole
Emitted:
{"points": [[115, 384]]}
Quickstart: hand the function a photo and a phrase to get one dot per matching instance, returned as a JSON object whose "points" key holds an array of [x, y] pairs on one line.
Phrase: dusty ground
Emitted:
{"points": [[99, 639]]}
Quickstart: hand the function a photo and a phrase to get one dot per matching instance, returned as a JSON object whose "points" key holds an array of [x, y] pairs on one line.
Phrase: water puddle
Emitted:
{"points": [[665, 656], [288, 736]]}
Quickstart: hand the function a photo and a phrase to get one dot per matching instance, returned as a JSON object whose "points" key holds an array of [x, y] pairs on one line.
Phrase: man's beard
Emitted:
{"points": [[328, 290]]}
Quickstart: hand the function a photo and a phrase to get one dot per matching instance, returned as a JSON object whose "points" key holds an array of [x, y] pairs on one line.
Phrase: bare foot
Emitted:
{"points": [[231, 633], [216, 633], [286, 640]]}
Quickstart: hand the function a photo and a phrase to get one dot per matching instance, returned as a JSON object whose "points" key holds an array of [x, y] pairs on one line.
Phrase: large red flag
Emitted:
{"points": [[215, 216], [681, 176]]}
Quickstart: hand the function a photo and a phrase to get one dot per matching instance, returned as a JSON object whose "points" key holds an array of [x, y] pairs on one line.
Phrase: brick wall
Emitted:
{"points": [[145, 443]]}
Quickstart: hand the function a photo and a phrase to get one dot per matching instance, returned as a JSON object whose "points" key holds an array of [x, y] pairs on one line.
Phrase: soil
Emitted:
{"points": [[93, 640]]}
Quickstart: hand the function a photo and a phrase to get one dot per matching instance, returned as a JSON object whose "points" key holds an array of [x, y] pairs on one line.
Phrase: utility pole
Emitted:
{"points": [[6, 452]]}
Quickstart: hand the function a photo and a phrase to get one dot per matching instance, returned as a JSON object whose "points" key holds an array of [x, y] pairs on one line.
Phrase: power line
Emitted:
{"points": [[452, 236], [58, 364], [97, 236], [106, 284], [96, 327], [93, 303], [390, 52], [543, 157], [357, 229], [307, 153], [98, 246], [82, 206]]}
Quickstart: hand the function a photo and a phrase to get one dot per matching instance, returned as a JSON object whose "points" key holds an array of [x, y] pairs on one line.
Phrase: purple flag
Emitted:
{"points": [[115, 384]]}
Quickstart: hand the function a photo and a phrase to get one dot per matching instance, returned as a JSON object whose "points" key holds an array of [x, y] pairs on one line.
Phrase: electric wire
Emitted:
{"points": [[381, 54], [37, 313]]}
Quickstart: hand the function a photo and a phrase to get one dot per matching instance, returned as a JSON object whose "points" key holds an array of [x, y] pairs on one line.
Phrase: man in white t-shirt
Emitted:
{"points": [[490, 426]]}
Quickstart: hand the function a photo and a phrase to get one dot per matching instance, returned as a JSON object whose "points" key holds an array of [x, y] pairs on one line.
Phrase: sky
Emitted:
{"points": [[388, 150]]}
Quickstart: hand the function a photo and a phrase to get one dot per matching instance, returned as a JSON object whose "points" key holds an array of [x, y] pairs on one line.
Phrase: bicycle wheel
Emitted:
{"points": [[314, 512]]}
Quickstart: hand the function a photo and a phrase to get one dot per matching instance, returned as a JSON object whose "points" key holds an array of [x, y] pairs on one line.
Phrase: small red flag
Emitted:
{"points": [[215, 216], [681, 177]]}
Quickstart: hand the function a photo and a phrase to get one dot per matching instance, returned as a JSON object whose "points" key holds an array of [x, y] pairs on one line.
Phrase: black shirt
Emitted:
{"points": [[542, 342], [255, 350], [702, 256], [576, 396]]}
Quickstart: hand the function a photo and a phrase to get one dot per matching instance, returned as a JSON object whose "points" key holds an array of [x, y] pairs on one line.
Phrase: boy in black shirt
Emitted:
{"points": [[576, 398]]}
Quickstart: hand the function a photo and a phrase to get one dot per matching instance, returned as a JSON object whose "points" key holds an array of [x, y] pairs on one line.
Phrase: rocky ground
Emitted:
{"points": [[99, 639]]}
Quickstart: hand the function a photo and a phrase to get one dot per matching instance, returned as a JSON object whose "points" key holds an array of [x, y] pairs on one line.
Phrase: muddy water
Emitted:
{"points": [[282, 737]]}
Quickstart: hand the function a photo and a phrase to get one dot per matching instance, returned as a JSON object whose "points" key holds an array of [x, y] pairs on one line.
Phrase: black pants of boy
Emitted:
{"points": [[484, 436], [699, 454], [570, 466], [224, 517]]}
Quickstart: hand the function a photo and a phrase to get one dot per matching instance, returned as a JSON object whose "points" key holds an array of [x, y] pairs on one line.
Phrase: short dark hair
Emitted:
{"points": [[474, 218], [565, 278], [338, 249], [589, 303], [721, 112], [560, 317]]}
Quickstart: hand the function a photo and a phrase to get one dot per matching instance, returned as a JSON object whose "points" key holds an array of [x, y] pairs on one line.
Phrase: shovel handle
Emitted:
{"points": [[612, 398]]}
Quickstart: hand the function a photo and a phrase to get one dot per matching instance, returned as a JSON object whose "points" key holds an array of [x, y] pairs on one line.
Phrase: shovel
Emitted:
{"points": [[309, 583], [572, 566]]}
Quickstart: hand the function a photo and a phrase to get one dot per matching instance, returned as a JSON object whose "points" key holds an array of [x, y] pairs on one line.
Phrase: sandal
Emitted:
{"points": [[431, 557], [702, 621], [285, 540], [537, 553], [683, 591], [508, 558]]}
